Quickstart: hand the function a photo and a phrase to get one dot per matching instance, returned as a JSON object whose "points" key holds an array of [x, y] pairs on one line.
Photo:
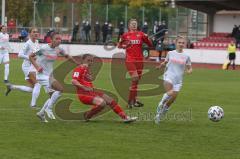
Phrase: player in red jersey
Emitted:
{"points": [[133, 41], [82, 79]]}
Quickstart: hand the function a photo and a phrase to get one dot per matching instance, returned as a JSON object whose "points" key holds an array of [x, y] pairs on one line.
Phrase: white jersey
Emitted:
{"points": [[4, 43], [46, 56], [28, 48], [176, 66]]}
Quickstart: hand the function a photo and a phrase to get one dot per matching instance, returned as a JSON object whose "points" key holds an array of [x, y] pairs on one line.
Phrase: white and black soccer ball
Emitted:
{"points": [[215, 113]]}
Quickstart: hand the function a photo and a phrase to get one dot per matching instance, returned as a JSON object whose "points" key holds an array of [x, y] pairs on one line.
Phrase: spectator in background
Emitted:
{"points": [[161, 30], [11, 25], [234, 31], [154, 30], [82, 33], [231, 54], [87, 29], [121, 30], [145, 28], [75, 31], [164, 45], [97, 30], [164, 26], [159, 47], [159, 34], [237, 37], [155, 27], [109, 32], [23, 35], [47, 37], [171, 45], [105, 31]]}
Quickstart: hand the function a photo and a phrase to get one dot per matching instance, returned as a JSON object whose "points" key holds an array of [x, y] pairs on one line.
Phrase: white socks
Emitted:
{"points": [[35, 94], [22, 88], [45, 106], [54, 99], [51, 101], [6, 71], [165, 98], [35, 91]]}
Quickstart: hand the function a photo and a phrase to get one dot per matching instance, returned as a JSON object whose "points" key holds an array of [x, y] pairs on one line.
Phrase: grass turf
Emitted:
{"points": [[187, 134]]}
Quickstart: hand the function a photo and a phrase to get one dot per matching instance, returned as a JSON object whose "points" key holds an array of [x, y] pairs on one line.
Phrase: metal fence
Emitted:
{"points": [[62, 17]]}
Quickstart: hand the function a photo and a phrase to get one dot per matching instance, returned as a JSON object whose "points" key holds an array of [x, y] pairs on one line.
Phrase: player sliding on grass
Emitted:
{"points": [[133, 41], [28, 69], [82, 79], [176, 63], [45, 58]]}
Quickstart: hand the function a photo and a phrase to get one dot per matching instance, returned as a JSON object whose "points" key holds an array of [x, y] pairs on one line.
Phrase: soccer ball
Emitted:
{"points": [[215, 113]]}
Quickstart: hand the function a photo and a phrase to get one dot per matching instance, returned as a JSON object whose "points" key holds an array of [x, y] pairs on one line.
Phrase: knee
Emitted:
{"points": [[100, 102], [108, 100], [173, 94], [103, 104], [60, 89], [135, 78], [170, 93]]}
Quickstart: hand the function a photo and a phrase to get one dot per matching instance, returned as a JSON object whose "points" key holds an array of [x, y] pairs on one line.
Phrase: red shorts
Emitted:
{"points": [[134, 66], [87, 97]]}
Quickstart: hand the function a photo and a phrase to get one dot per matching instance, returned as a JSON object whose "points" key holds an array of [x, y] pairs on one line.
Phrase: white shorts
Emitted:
{"points": [[4, 57], [27, 70], [32, 69], [176, 86], [46, 82]]}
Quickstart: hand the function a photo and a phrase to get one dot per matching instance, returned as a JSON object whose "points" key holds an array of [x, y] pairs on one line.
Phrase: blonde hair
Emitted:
{"points": [[180, 37], [131, 20], [32, 28]]}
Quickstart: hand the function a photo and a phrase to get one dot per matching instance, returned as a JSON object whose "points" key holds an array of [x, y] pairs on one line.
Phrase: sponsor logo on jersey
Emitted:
{"points": [[51, 57], [135, 41], [181, 62]]}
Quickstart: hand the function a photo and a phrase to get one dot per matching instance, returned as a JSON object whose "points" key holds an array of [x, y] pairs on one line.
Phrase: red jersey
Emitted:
{"points": [[135, 40], [83, 76]]}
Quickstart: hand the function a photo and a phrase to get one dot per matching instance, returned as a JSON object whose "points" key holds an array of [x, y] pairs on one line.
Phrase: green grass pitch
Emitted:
{"points": [[22, 136]]}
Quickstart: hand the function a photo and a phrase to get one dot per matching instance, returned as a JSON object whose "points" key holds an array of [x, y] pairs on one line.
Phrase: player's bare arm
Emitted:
{"points": [[70, 58], [189, 69], [148, 41], [162, 65], [77, 84], [123, 44], [32, 57]]}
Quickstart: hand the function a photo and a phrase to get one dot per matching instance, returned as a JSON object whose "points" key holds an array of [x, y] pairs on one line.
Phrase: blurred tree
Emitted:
{"points": [[22, 11], [138, 3]]}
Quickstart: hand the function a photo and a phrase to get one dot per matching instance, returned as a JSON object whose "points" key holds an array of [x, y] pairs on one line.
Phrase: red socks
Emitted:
{"points": [[118, 110], [133, 92], [95, 109]]}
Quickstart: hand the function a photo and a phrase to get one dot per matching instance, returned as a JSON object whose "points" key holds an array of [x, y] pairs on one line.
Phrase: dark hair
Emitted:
{"points": [[53, 34], [2, 27], [84, 56]]}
